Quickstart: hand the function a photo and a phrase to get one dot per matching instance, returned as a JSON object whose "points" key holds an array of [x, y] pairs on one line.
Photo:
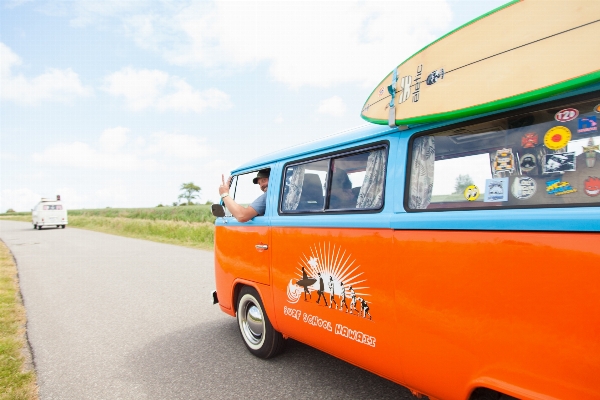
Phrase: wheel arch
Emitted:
{"points": [[264, 291]]}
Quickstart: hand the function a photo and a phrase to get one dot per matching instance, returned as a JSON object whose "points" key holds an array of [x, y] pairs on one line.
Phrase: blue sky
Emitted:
{"points": [[117, 103]]}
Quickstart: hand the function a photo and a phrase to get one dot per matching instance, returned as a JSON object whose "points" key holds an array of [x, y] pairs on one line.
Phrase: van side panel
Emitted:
{"points": [[360, 258], [517, 307], [237, 257]]}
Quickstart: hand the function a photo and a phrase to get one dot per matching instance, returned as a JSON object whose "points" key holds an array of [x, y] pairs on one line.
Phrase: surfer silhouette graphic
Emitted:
{"points": [[305, 282], [353, 301], [365, 308], [321, 290], [332, 293], [343, 298]]}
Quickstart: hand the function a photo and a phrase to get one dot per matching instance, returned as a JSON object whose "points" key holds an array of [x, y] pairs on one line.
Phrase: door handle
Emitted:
{"points": [[261, 247]]}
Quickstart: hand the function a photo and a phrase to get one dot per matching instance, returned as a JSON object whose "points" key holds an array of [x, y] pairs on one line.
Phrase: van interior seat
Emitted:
{"points": [[311, 197]]}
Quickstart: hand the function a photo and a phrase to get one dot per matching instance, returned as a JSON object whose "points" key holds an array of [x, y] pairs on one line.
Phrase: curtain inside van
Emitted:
{"points": [[371, 191], [421, 172], [294, 188]]}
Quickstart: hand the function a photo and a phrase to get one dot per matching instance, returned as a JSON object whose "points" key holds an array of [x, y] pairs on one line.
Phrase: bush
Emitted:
{"points": [[160, 205], [10, 210]]}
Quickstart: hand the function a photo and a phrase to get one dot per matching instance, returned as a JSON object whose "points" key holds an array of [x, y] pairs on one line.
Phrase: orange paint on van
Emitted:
{"points": [[518, 312]]}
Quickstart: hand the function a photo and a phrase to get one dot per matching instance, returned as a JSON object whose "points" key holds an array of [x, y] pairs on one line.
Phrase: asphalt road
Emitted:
{"points": [[118, 318]]}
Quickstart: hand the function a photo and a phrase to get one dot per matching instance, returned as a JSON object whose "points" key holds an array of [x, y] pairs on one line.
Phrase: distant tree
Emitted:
{"points": [[10, 210], [175, 203], [461, 183], [190, 192], [208, 202], [160, 205]]}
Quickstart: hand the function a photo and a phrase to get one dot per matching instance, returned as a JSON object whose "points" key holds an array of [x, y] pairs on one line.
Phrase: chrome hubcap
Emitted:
{"points": [[251, 321]]}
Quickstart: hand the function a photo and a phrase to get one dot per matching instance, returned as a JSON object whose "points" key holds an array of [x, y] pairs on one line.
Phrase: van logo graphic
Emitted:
{"points": [[333, 277]]}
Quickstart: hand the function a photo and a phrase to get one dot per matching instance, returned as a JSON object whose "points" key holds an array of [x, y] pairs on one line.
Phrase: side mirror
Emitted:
{"points": [[217, 210]]}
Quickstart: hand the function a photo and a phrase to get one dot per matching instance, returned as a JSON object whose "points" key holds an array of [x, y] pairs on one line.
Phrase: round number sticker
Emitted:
{"points": [[557, 137], [568, 114]]}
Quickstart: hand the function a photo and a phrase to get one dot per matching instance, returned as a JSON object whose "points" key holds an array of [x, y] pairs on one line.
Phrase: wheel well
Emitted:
{"points": [[482, 393], [236, 294]]}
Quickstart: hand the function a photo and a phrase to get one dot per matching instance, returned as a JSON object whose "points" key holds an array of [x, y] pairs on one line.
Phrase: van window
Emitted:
{"points": [[53, 207], [349, 182], [243, 190], [539, 159]]}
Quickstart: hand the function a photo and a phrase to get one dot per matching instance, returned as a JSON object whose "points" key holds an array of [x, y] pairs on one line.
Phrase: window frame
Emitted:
{"points": [[559, 103], [380, 145]]}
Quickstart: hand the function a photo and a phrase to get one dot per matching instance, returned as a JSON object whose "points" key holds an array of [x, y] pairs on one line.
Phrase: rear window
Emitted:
{"points": [[544, 158], [53, 207]]}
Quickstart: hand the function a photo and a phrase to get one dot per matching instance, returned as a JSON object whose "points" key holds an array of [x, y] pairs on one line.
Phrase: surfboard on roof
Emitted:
{"points": [[517, 53]]}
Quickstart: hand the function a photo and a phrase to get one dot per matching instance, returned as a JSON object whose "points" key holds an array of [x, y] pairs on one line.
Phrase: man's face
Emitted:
{"points": [[263, 183]]}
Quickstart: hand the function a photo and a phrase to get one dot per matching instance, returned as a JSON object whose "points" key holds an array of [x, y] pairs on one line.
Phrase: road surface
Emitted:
{"points": [[118, 318]]}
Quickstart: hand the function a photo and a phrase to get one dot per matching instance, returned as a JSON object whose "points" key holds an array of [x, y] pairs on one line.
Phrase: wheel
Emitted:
{"points": [[64, 226], [39, 227], [257, 332], [34, 226]]}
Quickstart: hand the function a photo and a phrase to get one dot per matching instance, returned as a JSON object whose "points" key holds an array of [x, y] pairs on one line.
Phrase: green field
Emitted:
{"points": [[190, 226]]}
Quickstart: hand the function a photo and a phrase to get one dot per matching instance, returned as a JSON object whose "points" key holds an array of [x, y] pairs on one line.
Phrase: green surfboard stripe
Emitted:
{"points": [[495, 105]]}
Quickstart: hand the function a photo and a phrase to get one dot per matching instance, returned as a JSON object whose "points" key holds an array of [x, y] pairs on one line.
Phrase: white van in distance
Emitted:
{"points": [[49, 213]]}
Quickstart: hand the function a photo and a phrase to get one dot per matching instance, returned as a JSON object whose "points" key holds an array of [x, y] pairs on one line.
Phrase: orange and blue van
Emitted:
{"points": [[455, 252]]}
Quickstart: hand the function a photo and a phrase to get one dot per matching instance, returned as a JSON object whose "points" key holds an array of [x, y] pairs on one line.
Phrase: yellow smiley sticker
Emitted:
{"points": [[557, 137], [597, 108], [472, 193]]}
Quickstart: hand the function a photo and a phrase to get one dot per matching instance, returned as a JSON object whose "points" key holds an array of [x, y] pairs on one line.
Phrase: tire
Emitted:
{"points": [[39, 227], [34, 226], [257, 332], [64, 226]]}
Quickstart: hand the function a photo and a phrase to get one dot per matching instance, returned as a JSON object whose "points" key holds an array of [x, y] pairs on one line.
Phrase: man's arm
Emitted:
{"points": [[242, 214]]}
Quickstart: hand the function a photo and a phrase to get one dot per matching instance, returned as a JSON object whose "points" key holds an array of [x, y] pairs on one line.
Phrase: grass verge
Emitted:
{"points": [[16, 381], [199, 235]]}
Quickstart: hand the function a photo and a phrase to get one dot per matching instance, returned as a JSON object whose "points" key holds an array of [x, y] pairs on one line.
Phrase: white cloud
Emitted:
{"points": [[113, 139], [53, 85], [304, 43], [82, 155], [18, 199], [144, 89], [177, 145], [115, 152], [333, 106]]}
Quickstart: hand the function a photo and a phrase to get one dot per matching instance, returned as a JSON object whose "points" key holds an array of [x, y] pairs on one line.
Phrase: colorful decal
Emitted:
{"points": [[591, 186], [329, 263], [587, 124], [529, 140], [558, 188], [559, 162], [597, 109], [496, 189], [504, 161], [332, 275], [528, 162], [568, 114], [590, 153], [523, 187], [435, 76], [381, 91], [557, 137], [471, 193]]}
